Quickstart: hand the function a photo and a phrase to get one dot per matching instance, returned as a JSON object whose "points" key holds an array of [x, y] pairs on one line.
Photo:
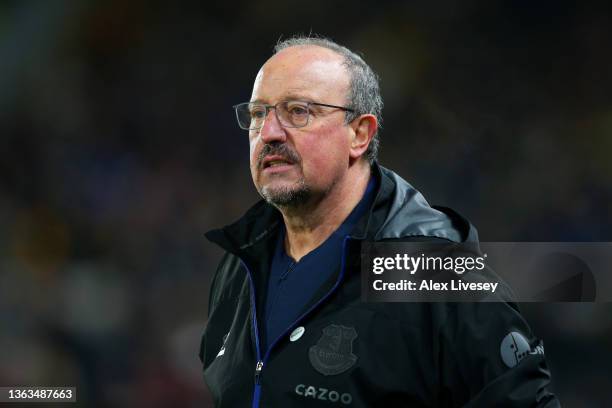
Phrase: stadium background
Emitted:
{"points": [[119, 149]]}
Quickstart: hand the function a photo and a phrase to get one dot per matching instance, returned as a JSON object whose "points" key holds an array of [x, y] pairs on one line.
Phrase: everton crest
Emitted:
{"points": [[333, 353]]}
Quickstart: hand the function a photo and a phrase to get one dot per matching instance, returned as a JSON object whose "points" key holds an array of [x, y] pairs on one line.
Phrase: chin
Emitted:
{"points": [[286, 196]]}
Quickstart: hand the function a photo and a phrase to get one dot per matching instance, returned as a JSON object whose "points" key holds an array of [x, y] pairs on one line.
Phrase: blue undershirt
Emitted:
{"points": [[292, 284]]}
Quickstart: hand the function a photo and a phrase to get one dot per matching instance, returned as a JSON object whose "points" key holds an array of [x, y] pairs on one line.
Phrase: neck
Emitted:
{"points": [[310, 225]]}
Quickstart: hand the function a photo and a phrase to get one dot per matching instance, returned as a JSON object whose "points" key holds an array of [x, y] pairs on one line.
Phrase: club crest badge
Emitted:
{"points": [[333, 353]]}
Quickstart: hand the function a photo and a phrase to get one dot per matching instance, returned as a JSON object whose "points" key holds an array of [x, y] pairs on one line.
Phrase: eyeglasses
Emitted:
{"points": [[291, 114]]}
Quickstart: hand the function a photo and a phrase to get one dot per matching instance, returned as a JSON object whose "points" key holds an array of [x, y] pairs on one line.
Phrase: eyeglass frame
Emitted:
{"points": [[268, 107]]}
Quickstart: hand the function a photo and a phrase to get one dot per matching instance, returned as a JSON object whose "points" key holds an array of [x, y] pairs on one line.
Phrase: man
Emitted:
{"points": [[286, 325]]}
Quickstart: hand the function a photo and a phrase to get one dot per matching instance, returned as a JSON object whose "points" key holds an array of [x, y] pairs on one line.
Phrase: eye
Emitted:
{"points": [[297, 109], [257, 111]]}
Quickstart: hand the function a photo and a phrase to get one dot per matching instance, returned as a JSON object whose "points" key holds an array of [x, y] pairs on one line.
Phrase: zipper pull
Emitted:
{"points": [[258, 368]]}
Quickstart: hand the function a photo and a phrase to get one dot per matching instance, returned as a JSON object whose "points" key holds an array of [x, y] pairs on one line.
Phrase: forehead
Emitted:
{"points": [[309, 72]]}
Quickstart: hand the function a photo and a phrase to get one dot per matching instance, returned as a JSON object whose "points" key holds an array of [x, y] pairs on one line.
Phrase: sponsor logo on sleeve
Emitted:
{"points": [[515, 347]]}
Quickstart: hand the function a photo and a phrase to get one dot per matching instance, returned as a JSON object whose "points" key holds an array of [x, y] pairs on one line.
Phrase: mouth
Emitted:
{"points": [[275, 162]]}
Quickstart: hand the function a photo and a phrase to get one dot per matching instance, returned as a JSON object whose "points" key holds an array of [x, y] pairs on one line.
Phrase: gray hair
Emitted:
{"points": [[364, 93]]}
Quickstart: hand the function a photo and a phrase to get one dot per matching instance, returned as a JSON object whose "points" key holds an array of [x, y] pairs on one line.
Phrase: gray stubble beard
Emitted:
{"points": [[293, 197]]}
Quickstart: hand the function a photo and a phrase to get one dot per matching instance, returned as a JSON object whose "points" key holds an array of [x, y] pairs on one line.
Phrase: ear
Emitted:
{"points": [[363, 128]]}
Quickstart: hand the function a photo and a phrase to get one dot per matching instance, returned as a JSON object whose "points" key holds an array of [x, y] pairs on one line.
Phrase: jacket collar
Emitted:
{"points": [[398, 211]]}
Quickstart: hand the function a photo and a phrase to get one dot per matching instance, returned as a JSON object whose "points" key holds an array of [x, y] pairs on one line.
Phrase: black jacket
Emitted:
{"points": [[344, 352]]}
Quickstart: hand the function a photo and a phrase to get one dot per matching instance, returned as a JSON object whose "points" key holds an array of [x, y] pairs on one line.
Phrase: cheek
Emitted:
{"points": [[328, 154], [253, 150]]}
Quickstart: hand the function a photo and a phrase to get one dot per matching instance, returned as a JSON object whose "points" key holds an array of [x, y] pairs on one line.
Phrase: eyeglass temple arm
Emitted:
{"points": [[332, 106]]}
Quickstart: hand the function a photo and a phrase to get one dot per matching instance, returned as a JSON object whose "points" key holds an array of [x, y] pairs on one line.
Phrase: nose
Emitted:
{"points": [[272, 130]]}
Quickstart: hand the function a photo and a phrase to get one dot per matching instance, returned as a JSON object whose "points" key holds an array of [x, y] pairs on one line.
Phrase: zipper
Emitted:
{"points": [[260, 361], [258, 368], [257, 390]]}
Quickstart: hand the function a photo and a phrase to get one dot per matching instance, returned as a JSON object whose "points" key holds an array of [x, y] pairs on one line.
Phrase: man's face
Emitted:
{"points": [[292, 166]]}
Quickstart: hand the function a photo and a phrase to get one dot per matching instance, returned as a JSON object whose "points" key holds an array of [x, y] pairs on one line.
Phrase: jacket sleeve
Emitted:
{"points": [[490, 358]]}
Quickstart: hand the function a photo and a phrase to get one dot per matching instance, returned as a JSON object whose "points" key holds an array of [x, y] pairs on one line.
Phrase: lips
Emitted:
{"points": [[275, 161]]}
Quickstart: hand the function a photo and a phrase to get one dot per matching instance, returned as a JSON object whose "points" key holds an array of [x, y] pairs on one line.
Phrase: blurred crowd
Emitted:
{"points": [[119, 149]]}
